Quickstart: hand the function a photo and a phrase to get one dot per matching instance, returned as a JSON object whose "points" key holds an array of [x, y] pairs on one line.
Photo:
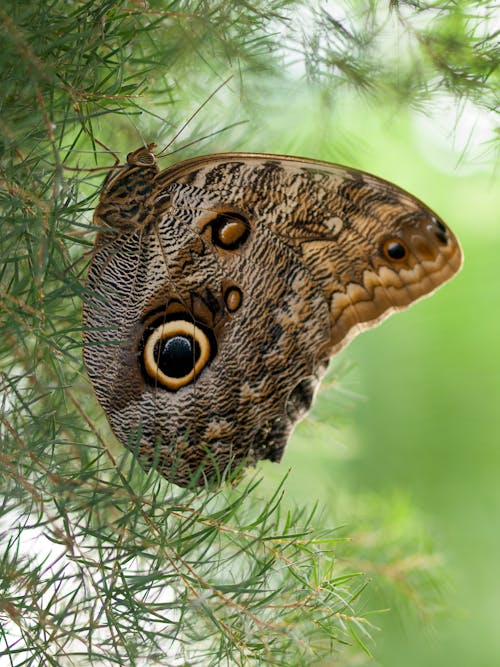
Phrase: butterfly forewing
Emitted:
{"points": [[225, 284]]}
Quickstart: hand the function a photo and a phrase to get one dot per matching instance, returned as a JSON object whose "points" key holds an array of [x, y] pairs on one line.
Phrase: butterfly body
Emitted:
{"points": [[221, 286]]}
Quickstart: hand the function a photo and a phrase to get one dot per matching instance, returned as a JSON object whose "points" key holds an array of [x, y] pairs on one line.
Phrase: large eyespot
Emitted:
{"points": [[175, 353], [395, 250], [229, 230]]}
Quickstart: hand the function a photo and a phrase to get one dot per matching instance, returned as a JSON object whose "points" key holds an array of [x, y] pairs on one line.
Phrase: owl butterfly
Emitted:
{"points": [[221, 286]]}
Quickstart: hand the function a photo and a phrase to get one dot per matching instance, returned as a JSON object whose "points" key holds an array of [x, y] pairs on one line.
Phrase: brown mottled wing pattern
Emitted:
{"points": [[275, 263]]}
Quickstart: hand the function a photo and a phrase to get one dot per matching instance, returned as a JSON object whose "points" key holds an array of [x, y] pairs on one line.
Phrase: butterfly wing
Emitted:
{"points": [[213, 313]]}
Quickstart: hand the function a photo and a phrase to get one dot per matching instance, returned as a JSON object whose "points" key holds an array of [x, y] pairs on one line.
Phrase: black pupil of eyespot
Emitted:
{"points": [[396, 250], [177, 356]]}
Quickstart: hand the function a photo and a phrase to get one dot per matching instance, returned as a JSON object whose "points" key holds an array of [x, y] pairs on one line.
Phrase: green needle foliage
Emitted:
{"points": [[100, 563]]}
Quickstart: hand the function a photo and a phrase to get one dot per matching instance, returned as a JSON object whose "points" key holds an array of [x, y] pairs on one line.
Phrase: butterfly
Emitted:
{"points": [[220, 287]]}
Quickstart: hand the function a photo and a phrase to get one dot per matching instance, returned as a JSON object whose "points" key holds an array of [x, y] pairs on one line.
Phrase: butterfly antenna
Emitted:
{"points": [[193, 115], [206, 136], [95, 140], [108, 150]]}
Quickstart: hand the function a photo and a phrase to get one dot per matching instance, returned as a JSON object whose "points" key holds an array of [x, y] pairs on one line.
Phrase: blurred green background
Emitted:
{"points": [[404, 446]]}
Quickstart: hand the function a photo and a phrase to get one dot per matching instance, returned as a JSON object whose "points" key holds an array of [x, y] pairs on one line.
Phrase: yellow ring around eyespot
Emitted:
{"points": [[167, 330]]}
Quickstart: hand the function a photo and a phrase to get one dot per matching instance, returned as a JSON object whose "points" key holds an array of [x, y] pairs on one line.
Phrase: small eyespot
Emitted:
{"points": [[230, 230], [233, 298], [175, 353], [394, 249]]}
